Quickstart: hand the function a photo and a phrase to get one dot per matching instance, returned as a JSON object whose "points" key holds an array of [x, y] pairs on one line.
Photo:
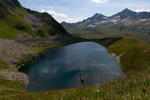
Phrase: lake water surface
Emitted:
{"points": [[59, 68]]}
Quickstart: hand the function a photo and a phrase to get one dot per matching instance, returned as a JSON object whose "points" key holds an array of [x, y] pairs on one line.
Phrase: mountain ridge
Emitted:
{"points": [[15, 20], [123, 14], [124, 23]]}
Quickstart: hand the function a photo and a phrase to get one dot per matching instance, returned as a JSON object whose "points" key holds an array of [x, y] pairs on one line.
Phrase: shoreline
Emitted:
{"points": [[38, 51], [22, 52], [67, 43], [15, 54], [135, 84]]}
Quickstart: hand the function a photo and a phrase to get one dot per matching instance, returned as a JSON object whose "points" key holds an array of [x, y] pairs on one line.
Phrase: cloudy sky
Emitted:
{"points": [[77, 10]]}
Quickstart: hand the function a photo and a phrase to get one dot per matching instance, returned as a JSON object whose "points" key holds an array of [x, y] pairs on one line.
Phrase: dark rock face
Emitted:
{"points": [[143, 15], [6, 5], [16, 3]]}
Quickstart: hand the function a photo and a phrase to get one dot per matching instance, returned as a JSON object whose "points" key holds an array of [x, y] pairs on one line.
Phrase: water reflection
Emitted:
{"points": [[59, 68]]}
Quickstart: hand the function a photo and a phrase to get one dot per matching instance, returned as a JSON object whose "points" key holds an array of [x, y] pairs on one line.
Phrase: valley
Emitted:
{"points": [[135, 83], [121, 41], [123, 24]]}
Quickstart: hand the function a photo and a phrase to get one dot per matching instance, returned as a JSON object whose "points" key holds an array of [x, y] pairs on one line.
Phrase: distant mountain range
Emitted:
{"points": [[16, 20], [124, 23]]}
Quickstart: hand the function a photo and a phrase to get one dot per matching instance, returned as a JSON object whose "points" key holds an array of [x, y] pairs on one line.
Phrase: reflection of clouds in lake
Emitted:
{"points": [[46, 70], [53, 71], [94, 61], [61, 67], [67, 61], [98, 64], [101, 65]]}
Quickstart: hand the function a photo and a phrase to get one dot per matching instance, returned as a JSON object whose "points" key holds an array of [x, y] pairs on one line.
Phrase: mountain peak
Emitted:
{"points": [[127, 10], [95, 18], [126, 13], [98, 15]]}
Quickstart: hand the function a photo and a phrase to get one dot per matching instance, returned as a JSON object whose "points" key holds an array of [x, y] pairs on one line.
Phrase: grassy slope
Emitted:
{"points": [[136, 85], [12, 22], [10, 87], [137, 57], [6, 86], [140, 30], [100, 33], [9, 23], [135, 63]]}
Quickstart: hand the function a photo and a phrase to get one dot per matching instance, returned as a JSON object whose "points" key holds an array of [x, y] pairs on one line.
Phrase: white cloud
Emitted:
{"points": [[142, 10], [60, 17], [42, 10], [99, 1]]}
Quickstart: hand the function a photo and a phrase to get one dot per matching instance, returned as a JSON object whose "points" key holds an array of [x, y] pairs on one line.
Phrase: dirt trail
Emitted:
{"points": [[117, 57]]}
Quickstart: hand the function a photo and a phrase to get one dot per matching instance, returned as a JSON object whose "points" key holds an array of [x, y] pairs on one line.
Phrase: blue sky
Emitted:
{"points": [[77, 10]]}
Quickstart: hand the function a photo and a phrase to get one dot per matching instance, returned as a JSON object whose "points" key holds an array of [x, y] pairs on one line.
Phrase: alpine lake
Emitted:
{"points": [[72, 66]]}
